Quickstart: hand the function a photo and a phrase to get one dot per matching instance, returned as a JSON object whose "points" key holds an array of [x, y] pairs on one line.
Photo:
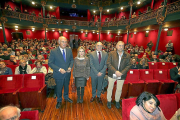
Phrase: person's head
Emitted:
{"points": [[9, 50], [20, 48], [39, 57], [169, 41], [170, 53], [148, 101], [120, 46], [44, 49], [62, 42], [6, 53], [2, 64], [25, 57], [5, 46], [165, 53], [17, 53], [144, 56], [81, 52], [136, 56], [154, 57], [10, 113], [38, 63], [98, 46], [31, 48], [133, 61], [22, 63], [12, 57]]}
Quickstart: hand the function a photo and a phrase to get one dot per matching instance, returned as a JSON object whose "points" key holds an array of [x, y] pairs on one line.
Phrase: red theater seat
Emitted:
{"points": [[9, 86], [163, 65], [167, 86], [134, 83], [152, 65], [32, 65], [33, 60], [151, 85], [30, 115], [13, 67], [45, 56], [33, 94], [172, 65]]}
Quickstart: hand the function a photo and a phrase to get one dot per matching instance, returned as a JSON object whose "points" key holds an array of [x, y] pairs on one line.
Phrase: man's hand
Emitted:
{"points": [[179, 71], [69, 70], [118, 74], [99, 74], [62, 71]]}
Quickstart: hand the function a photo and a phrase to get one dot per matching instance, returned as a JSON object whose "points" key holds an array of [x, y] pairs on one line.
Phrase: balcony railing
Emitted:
{"points": [[171, 8]]}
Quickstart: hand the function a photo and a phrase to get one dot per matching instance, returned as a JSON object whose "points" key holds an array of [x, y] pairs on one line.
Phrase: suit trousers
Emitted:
{"points": [[60, 83], [97, 84], [118, 89]]}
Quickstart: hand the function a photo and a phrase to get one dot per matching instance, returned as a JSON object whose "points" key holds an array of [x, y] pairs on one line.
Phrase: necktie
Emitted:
{"points": [[99, 57], [64, 56]]}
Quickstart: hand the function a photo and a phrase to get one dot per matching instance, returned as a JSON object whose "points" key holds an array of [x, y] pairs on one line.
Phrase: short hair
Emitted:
{"points": [[145, 96], [60, 38], [81, 47], [18, 110], [119, 42], [40, 61], [21, 61]]}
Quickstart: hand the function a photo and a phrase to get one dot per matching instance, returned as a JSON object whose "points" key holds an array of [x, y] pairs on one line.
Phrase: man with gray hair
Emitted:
{"points": [[10, 113], [118, 64]]}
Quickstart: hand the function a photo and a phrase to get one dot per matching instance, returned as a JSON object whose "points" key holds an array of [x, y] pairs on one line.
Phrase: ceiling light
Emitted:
{"points": [[108, 10], [46, 31], [97, 33], [93, 32], [94, 11], [134, 32], [91, 3], [147, 31], [108, 32], [16, 29], [66, 31], [16, 26], [32, 29], [121, 8], [33, 2], [165, 29], [138, 2], [81, 31], [0, 27], [86, 32], [118, 33], [51, 7], [59, 31]]}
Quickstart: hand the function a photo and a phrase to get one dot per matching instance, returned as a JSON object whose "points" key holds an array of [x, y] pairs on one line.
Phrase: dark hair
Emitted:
{"points": [[38, 61], [178, 64], [145, 96]]}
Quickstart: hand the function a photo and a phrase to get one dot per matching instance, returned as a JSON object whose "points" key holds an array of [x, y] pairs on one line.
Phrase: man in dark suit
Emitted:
{"points": [[175, 73], [98, 65], [118, 64], [61, 61], [154, 59]]}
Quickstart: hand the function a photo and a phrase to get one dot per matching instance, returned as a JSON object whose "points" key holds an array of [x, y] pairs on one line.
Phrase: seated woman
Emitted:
{"points": [[18, 55], [23, 68], [143, 64], [39, 68], [147, 108], [25, 57], [134, 65]]}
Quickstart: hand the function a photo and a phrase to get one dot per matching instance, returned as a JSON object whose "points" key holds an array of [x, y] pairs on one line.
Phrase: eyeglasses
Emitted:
{"points": [[13, 118]]}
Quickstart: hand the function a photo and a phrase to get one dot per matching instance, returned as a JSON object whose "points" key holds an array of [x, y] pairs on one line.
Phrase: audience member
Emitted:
{"points": [[134, 64], [143, 64], [4, 70], [134, 15], [10, 113], [39, 68], [12, 61], [18, 55], [5, 56], [23, 68], [25, 57], [175, 73], [147, 108], [154, 59], [169, 46], [150, 45]]}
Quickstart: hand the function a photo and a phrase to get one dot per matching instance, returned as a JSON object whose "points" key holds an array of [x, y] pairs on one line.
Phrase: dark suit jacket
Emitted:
{"points": [[56, 61], [152, 60], [174, 74], [94, 63], [112, 64]]}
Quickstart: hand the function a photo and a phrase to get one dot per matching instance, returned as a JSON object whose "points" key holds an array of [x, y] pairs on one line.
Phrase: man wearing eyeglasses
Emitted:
{"points": [[12, 61], [10, 113]]}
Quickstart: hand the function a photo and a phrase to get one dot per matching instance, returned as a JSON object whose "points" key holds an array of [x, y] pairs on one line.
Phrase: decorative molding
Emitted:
{"points": [[99, 28], [100, 9], [43, 3], [45, 25], [73, 5], [130, 2], [128, 27], [3, 19], [160, 20], [74, 27]]}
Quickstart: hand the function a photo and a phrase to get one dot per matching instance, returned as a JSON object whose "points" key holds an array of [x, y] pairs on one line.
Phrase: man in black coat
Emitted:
{"points": [[175, 73]]}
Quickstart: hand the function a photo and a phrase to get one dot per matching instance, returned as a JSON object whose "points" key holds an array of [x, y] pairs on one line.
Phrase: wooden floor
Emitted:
{"points": [[80, 111]]}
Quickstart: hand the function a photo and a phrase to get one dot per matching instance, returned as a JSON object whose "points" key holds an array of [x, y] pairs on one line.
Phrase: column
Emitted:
{"points": [[130, 14], [45, 26], [100, 9], [43, 3], [4, 20], [160, 21]]}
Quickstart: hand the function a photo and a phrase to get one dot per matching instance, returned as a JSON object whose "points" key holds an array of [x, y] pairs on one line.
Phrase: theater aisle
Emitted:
{"points": [[85, 111]]}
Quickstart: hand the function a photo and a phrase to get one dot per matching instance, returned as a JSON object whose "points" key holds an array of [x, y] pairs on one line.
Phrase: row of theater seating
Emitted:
{"points": [[28, 90], [156, 81], [169, 104], [162, 65], [13, 67]]}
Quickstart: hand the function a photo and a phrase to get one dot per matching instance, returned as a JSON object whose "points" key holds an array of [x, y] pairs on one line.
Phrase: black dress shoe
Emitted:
{"points": [[92, 99], [69, 100], [58, 105], [99, 100]]}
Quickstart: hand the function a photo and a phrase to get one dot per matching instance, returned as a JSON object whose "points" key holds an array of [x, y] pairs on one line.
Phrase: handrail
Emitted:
{"points": [[170, 8]]}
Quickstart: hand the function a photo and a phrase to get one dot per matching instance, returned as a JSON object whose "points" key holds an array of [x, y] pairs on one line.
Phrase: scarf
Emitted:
{"points": [[23, 70]]}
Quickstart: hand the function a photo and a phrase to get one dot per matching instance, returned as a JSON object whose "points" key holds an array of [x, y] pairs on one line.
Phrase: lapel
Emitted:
{"points": [[116, 57], [96, 57]]}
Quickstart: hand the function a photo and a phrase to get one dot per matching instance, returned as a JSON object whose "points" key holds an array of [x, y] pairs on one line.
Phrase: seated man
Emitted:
{"points": [[134, 65], [23, 68], [39, 68], [25, 57], [4, 70], [143, 64], [6, 56], [40, 57], [10, 113], [21, 50], [44, 52], [10, 51], [154, 59], [12, 61], [175, 73]]}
